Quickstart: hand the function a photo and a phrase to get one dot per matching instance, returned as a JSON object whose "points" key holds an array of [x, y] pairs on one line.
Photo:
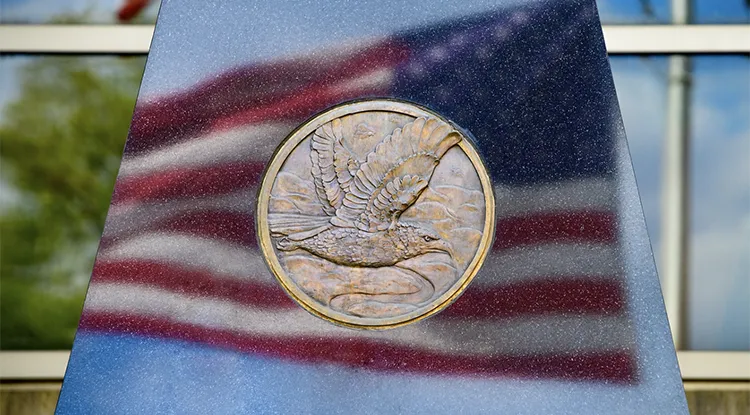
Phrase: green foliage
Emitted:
{"points": [[60, 147]]}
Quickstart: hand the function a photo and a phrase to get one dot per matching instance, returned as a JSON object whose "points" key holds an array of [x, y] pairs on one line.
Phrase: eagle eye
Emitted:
{"points": [[428, 238]]}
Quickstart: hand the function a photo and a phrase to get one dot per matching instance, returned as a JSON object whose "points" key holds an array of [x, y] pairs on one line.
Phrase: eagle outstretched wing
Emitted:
{"points": [[333, 165], [391, 179]]}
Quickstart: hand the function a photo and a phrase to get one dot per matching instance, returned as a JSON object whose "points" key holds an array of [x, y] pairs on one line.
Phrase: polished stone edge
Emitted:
{"points": [[40, 398]]}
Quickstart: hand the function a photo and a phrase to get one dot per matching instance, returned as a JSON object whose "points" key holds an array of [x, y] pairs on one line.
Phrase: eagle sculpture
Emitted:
{"points": [[363, 200]]}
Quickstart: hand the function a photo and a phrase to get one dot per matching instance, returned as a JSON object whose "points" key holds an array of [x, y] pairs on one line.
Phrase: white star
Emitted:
{"points": [[519, 17], [501, 32], [459, 40], [438, 53], [484, 52], [416, 69]]}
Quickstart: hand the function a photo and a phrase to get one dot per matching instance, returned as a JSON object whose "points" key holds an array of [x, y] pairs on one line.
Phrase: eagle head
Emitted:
{"points": [[419, 240]]}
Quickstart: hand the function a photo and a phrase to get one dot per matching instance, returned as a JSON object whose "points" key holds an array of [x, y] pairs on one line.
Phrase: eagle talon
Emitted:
{"points": [[286, 244]]}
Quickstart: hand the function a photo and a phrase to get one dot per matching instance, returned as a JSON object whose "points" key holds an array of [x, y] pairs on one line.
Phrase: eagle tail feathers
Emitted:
{"points": [[297, 227]]}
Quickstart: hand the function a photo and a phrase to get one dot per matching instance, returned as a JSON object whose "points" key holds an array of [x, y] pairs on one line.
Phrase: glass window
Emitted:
{"points": [[63, 124], [634, 11], [719, 273], [721, 11], [718, 313], [659, 11]]}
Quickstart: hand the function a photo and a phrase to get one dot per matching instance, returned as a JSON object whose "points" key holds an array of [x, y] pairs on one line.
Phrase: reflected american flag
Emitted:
{"points": [[179, 257]]}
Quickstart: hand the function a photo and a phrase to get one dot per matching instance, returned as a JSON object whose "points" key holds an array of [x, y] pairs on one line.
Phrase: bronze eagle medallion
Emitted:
{"points": [[375, 214]]}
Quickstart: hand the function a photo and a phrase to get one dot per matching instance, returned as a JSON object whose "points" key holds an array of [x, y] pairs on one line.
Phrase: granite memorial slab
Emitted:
{"points": [[375, 207]]}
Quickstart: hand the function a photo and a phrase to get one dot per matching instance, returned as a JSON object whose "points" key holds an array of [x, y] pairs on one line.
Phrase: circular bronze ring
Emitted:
{"points": [[384, 114]]}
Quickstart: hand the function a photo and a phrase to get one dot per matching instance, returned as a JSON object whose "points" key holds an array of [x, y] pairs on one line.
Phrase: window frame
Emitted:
{"points": [[136, 39], [694, 365]]}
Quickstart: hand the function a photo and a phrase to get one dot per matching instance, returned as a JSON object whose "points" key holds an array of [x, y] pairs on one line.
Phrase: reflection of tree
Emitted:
{"points": [[61, 145]]}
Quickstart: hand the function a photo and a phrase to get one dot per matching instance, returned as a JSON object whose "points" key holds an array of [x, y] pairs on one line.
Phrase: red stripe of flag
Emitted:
{"points": [[234, 227], [583, 226], [169, 120], [193, 282], [553, 295], [564, 295], [614, 366], [542, 228], [300, 106], [191, 182]]}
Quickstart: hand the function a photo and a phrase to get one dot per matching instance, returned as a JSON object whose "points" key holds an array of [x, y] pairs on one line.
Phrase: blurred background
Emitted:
{"points": [[64, 118]]}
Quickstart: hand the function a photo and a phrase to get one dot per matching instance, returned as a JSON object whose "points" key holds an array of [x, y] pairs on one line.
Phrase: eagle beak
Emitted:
{"points": [[445, 247]]}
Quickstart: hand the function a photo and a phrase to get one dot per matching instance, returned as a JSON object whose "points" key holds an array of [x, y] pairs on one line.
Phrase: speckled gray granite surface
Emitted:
{"points": [[565, 315]]}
